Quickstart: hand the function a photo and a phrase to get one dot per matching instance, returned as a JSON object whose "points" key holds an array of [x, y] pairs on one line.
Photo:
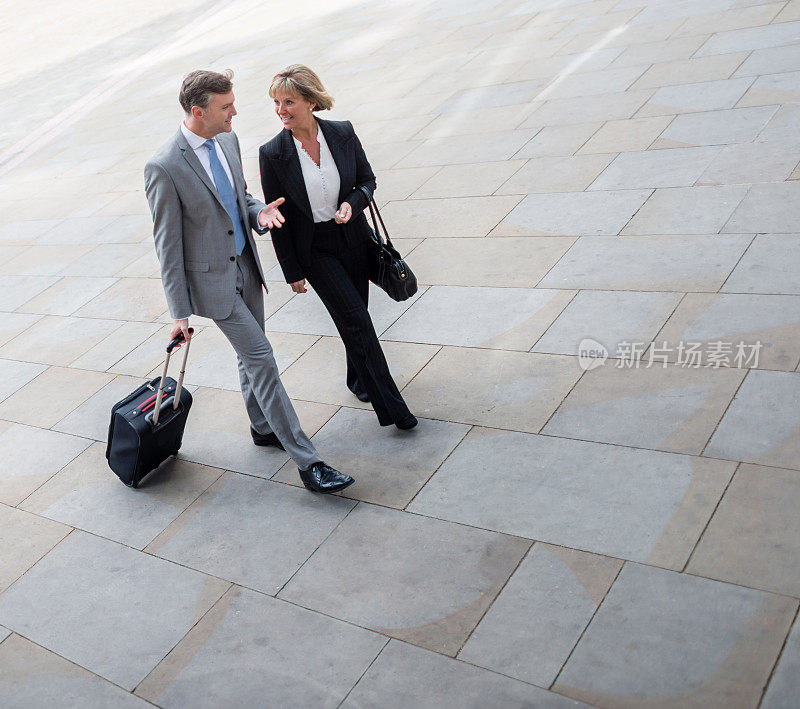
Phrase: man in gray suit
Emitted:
{"points": [[202, 221]]}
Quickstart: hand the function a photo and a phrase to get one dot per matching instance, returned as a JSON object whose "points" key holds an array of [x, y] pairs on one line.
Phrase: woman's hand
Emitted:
{"points": [[299, 286], [344, 213]]}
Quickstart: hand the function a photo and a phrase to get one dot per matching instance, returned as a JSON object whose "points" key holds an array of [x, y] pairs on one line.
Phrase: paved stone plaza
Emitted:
{"points": [[560, 530]]}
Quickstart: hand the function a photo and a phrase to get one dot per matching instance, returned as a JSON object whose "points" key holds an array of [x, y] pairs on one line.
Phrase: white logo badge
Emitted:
{"points": [[591, 354]]}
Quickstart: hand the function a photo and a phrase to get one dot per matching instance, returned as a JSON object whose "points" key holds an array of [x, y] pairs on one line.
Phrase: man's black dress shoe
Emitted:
{"points": [[362, 396], [322, 478], [408, 422], [265, 439]]}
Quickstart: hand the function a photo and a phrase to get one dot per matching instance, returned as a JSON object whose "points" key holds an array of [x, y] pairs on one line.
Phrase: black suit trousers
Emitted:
{"points": [[340, 276]]}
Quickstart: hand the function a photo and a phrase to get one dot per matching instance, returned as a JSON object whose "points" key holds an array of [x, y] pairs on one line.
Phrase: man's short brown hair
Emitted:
{"points": [[198, 86]]}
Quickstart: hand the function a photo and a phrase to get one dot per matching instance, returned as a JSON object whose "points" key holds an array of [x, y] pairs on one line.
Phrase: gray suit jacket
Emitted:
{"points": [[193, 232]]}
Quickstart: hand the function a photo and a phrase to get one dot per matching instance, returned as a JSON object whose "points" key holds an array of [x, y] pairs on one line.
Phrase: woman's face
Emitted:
{"points": [[294, 111]]}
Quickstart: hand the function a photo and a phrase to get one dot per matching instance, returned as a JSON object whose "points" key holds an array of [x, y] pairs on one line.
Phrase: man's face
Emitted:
{"points": [[217, 117]]}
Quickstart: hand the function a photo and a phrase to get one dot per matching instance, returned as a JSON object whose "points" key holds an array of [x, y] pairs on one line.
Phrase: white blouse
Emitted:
{"points": [[322, 183]]}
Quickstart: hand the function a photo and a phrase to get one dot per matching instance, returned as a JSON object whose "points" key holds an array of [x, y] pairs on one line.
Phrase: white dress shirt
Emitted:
{"points": [[196, 143], [322, 183]]}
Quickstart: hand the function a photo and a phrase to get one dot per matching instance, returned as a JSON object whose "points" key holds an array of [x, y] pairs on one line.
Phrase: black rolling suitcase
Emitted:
{"points": [[147, 425]]}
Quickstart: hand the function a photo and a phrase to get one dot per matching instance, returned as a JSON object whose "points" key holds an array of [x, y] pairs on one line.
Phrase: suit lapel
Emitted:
{"points": [[343, 156], [191, 158], [287, 167]]}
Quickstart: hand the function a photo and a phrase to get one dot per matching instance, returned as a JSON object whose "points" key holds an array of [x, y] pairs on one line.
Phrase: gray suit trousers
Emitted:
{"points": [[268, 405]]}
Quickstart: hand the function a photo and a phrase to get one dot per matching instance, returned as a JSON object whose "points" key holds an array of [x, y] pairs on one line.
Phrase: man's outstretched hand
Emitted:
{"points": [[271, 217]]}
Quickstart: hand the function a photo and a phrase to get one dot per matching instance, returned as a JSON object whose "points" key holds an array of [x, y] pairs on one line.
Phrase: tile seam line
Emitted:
{"points": [[124, 75], [76, 664], [765, 688], [624, 563]]}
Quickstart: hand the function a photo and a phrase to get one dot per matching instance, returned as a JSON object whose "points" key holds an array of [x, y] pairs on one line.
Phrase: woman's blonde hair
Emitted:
{"points": [[299, 80]]}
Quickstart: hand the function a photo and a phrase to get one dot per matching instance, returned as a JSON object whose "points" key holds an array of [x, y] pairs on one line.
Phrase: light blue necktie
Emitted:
{"points": [[227, 195]]}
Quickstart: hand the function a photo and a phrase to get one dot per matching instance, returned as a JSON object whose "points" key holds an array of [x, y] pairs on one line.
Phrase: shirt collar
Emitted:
{"points": [[195, 141]]}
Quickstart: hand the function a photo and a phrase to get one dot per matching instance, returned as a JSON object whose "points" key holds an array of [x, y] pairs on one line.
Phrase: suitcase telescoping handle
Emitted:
{"points": [[176, 342]]}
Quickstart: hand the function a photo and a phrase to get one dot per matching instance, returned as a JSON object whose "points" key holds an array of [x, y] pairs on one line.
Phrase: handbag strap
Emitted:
{"points": [[376, 217]]}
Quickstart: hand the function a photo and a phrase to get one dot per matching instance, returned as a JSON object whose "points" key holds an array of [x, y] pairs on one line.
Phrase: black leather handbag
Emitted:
{"points": [[388, 270]]}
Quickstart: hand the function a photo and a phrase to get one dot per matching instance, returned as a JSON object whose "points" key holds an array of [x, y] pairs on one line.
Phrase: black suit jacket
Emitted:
{"points": [[282, 176]]}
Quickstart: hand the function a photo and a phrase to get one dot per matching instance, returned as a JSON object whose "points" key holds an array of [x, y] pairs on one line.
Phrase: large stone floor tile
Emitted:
{"points": [[462, 149], [572, 213], [24, 538], [12, 324], [421, 580], [663, 639], [680, 71], [218, 433], [128, 299], [87, 494], [43, 260], [501, 318], [531, 628], [772, 207], [768, 266], [106, 353], [407, 676], [762, 424], [17, 290], [515, 93], [675, 167], [767, 61], [672, 409], [459, 216], [784, 687], [140, 606], [700, 96], [302, 379], [58, 340], [738, 125], [631, 504], [25, 232], [476, 180], [401, 184], [15, 375], [733, 318], [626, 135], [608, 317], [739, 16], [253, 532], [687, 210], [66, 296], [753, 38], [587, 109], [74, 230], [773, 89], [109, 259], [771, 161], [753, 538], [784, 124], [559, 140], [30, 456], [390, 466], [514, 390], [307, 315], [251, 649], [31, 676], [590, 83], [556, 174], [674, 263], [487, 262]]}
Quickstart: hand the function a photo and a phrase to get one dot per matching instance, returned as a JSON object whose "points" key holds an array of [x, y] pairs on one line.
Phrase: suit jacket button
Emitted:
{"points": [[230, 232], [233, 258]]}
